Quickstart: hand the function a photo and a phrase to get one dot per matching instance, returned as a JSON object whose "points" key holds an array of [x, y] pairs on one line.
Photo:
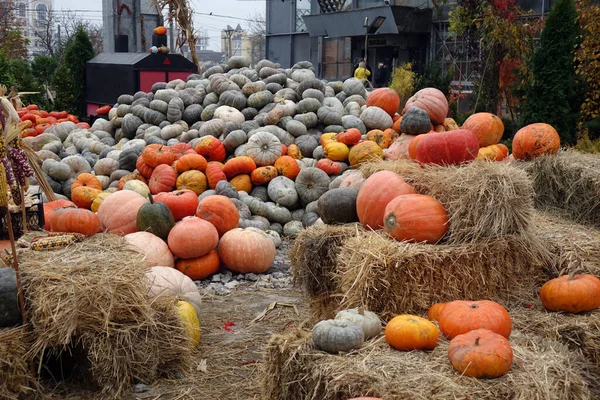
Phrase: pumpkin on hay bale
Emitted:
{"points": [[15, 375], [293, 368]]}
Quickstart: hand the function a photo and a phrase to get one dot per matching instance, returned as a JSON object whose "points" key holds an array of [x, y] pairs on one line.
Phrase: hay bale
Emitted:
{"points": [[483, 199], [568, 181], [542, 369], [16, 378]]}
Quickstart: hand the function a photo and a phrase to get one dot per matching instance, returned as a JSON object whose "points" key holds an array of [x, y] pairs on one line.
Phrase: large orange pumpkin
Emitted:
{"points": [[363, 152], [83, 196], [219, 211], [572, 293], [494, 152], [182, 203], [157, 154], [246, 251], [434, 311], [460, 316], [144, 169], [201, 267], [193, 180], [163, 179], [480, 353], [211, 148], [86, 180], [214, 174], [239, 165], [445, 148], [189, 162], [192, 237], [431, 100], [75, 220], [410, 332], [118, 212], [535, 140], [155, 251], [242, 183], [52, 206], [487, 127], [287, 166], [416, 218], [375, 194], [385, 98]]}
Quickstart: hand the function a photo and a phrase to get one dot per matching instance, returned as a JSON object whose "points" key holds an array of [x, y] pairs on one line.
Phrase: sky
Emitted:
{"points": [[240, 9]]}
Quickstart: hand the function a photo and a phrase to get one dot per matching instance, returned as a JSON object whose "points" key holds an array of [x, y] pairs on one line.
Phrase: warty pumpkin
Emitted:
{"points": [[242, 182], [75, 220], [154, 249], [480, 354], [450, 124], [192, 237], [294, 152], [193, 180], [155, 218], [535, 140], [385, 98], [181, 203], [98, 200], [200, 268], [219, 211], [487, 127], [363, 152], [383, 138], [211, 149], [83, 196], [410, 332], [460, 316], [572, 293], [246, 251], [163, 179], [416, 218], [263, 175], [239, 165]]}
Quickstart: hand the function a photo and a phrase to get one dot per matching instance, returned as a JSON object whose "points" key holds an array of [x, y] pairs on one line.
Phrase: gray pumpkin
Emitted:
{"points": [[309, 219], [307, 145], [253, 87], [226, 189], [310, 84], [311, 183], [209, 112], [376, 118], [206, 193], [234, 139], [276, 227], [354, 86], [310, 120], [282, 191], [329, 116], [192, 113], [192, 96], [309, 105], [128, 158], [334, 336], [214, 127], [415, 121], [296, 128], [175, 110], [278, 214], [338, 206], [298, 214], [129, 125], [261, 192], [233, 98], [125, 99], [292, 228], [242, 208]]}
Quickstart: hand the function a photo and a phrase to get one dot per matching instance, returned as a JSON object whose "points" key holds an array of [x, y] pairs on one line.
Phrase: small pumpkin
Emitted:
{"points": [[367, 320], [264, 148], [327, 138], [329, 167], [410, 332], [242, 183], [294, 152], [86, 180], [349, 137], [52, 206], [572, 293], [144, 169], [433, 314], [416, 218], [163, 179], [383, 138], [181, 203], [191, 324], [219, 211], [364, 152], [486, 126], [336, 151], [98, 200], [199, 268], [385, 98], [192, 180], [190, 162], [246, 251], [83, 196], [494, 152], [159, 30], [130, 177], [192, 237], [211, 149], [263, 175], [353, 179], [157, 154], [335, 335], [155, 218], [239, 165], [287, 166], [450, 124], [154, 249], [75, 220], [535, 140], [480, 353], [460, 316]]}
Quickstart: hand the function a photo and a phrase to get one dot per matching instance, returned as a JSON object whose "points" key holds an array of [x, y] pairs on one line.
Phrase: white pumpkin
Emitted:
{"points": [[367, 320], [229, 114], [167, 281], [155, 250], [137, 186]]}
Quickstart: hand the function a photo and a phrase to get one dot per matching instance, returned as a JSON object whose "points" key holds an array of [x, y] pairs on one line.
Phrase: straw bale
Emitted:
{"points": [[16, 377], [568, 181], [542, 369], [483, 199]]}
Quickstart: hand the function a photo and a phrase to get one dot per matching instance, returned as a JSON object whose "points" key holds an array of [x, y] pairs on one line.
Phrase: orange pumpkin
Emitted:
{"points": [[396, 125], [494, 152], [242, 183], [431, 100], [363, 152], [383, 138], [199, 268], [157, 154], [181, 149], [52, 206], [375, 194], [480, 353], [287, 166], [211, 148], [434, 311], [416, 218], [163, 179], [86, 180], [118, 212], [182, 203], [535, 140], [294, 152], [160, 30], [349, 137], [239, 165], [83, 196], [283, 149], [75, 220], [459, 316], [330, 167], [398, 150], [219, 211], [410, 332], [144, 169], [189, 162], [385, 98], [99, 111], [193, 180], [246, 251], [134, 176], [263, 175], [488, 128], [214, 174], [572, 293], [192, 237], [412, 146]]}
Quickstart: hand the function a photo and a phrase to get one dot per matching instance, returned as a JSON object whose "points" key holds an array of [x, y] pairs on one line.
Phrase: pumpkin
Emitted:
{"points": [[52, 206], [264, 148], [83, 196], [398, 150], [138, 187], [181, 149], [439, 128], [415, 121], [353, 179], [338, 206], [450, 124], [263, 175], [334, 335], [385, 98], [157, 154], [367, 320], [487, 127], [572, 293], [363, 152], [214, 174], [375, 194], [211, 149], [246, 251], [192, 237], [494, 152], [154, 249], [459, 316], [193, 180], [349, 137], [376, 118], [98, 200], [446, 148], [327, 138], [168, 282], [336, 151], [130, 177], [191, 324], [311, 183], [480, 353], [431, 100], [410, 332], [383, 138], [242, 183], [219, 211], [239, 165], [86, 180], [190, 162], [159, 30], [287, 166], [155, 218], [294, 152], [416, 218], [535, 140], [118, 212], [181, 203], [75, 220], [200, 268], [282, 191], [144, 169], [163, 179], [329, 167], [433, 314]]}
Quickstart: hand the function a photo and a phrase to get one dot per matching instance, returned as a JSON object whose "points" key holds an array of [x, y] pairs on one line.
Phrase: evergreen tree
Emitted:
{"points": [[554, 96], [69, 80]]}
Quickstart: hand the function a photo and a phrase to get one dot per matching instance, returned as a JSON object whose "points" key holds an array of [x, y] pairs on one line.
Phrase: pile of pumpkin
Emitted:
{"points": [[35, 121], [478, 330]]}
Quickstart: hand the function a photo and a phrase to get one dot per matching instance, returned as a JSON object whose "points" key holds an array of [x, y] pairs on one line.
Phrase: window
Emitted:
{"points": [[337, 58], [41, 12], [22, 10], [237, 46], [302, 9]]}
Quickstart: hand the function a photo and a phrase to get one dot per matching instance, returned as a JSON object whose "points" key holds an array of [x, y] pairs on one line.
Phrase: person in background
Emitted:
{"points": [[383, 75], [362, 73]]}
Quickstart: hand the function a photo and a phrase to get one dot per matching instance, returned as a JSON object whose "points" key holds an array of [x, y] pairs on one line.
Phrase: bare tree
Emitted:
{"points": [[12, 41], [257, 30]]}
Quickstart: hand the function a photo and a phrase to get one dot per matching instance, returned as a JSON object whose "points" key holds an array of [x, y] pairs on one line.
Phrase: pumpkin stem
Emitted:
{"points": [[575, 272], [361, 311], [477, 341], [151, 199]]}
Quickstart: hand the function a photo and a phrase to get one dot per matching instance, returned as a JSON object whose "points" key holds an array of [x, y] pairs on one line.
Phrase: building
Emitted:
{"points": [[237, 42], [128, 25], [35, 18]]}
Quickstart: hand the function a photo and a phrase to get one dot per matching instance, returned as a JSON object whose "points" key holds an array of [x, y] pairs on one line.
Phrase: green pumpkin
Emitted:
{"points": [[155, 218]]}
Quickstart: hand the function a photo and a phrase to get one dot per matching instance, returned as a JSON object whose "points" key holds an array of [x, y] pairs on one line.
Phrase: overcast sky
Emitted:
{"points": [[241, 9]]}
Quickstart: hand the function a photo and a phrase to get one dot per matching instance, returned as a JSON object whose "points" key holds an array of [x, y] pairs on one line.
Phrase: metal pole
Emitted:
{"points": [[171, 38]]}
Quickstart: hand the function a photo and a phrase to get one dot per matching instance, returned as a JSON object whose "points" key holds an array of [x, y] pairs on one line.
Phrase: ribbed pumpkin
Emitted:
{"points": [[214, 174], [287, 166], [242, 182], [155, 218], [415, 218], [193, 237], [446, 148], [327, 138], [375, 194], [193, 180], [385, 98], [118, 212], [83, 196], [572, 293], [144, 169], [294, 152], [330, 167], [181, 149], [155, 250], [494, 152], [431, 100], [191, 162], [349, 137], [52, 206], [98, 200], [211, 149], [239, 165], [219, 211], [75, 220], [181, 203], [535, 140], [487, 127], [86, 180], [336, 151], [163, 179], [460, 316], [480, 353], [201, 267], [246, 251], [157, 154], [263, 175], [363, 152], [383, 138]]}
